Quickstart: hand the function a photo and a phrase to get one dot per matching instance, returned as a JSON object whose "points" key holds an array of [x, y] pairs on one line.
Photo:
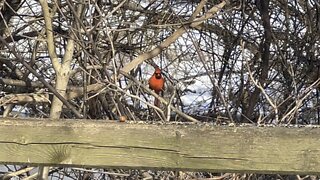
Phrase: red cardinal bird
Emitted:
{"points": [[156, 83]]}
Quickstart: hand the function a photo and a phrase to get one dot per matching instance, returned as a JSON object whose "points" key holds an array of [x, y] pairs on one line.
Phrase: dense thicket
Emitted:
{"points": [[253, 60]]}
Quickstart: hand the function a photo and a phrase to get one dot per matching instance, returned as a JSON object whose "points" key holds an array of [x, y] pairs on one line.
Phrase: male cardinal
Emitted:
{"points": [[156, 83]]}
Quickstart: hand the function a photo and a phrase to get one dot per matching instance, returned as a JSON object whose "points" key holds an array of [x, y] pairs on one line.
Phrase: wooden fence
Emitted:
{"points": [[193, 147]]}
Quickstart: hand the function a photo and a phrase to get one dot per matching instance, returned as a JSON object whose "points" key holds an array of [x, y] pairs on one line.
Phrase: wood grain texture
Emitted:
{"points": [[167, 147]]}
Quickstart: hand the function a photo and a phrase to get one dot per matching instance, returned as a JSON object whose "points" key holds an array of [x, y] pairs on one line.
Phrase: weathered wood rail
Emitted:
{"points": [[167, 147]]}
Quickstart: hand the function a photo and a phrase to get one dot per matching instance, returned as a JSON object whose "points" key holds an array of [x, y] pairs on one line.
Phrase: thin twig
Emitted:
{"points": [[169, 105]]}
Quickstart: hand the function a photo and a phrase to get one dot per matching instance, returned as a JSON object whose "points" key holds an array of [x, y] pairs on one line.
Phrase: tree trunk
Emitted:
{"points": [[263, 7]]}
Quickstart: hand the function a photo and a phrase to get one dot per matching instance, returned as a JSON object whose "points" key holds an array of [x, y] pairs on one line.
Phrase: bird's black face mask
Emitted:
{"points": [[157, 75]]}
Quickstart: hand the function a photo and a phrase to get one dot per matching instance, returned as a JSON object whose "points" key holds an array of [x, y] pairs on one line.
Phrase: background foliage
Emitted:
{"points": [[253, 61]]}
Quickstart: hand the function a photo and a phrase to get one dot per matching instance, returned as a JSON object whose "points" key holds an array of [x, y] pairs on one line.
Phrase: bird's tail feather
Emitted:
{"points": [[157, 102]]}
